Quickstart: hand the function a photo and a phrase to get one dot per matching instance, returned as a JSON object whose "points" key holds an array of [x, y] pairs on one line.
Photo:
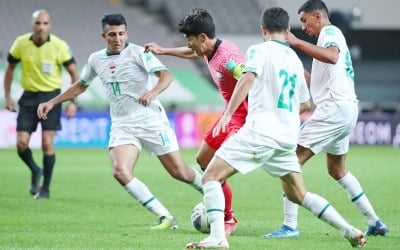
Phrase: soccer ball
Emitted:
{"points": [[199, 218]]}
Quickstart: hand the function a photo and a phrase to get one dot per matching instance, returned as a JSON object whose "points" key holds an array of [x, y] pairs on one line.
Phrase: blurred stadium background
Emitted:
{"points": [[372, 29]]}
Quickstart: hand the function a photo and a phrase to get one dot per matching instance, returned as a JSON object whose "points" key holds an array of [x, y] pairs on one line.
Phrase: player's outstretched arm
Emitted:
{"points": [[183, 52], [73, 91], [239, 94], [72, 107], [8, 77], [164, 80], [326, 55]]}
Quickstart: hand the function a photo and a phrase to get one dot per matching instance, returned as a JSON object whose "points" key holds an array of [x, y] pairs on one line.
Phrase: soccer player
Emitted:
{"points": [[273, 79], [328, 129], [42, 56], [138, 119], [222, 57]]}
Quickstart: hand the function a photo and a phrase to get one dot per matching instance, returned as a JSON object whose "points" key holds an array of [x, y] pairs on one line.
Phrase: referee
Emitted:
{"points": [[42, 56]]}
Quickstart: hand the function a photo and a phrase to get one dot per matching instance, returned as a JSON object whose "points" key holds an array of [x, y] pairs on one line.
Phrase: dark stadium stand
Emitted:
{"points": [[230, 16], [78, 22]]}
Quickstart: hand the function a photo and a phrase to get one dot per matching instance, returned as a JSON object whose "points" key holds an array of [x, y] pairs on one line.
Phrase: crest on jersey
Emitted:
{"points": [[112, 68]]}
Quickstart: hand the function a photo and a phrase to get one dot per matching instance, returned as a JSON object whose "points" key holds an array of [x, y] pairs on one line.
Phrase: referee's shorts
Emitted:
{"points": [[27, 119]]}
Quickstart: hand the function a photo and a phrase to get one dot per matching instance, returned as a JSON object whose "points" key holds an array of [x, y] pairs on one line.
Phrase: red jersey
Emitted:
{"points": [[224, 52]]}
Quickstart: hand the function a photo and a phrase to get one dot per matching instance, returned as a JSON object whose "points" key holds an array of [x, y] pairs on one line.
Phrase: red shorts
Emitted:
{"points": [[234, 125]]}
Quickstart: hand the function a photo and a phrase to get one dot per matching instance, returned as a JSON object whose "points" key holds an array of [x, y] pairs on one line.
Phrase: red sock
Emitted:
{"points": [[228, 200]]}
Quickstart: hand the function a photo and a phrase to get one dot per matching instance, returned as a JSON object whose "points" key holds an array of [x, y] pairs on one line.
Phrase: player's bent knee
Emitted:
{"points": [[295, 198], [181, 175], [201, 162], [337, 173], [22, 145], [48, 147], [208, 178], [122, 175]]}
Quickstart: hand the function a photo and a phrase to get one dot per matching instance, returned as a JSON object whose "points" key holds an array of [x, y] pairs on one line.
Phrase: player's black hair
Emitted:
{"points": [[313, 5], [275, 19], [113, 19], [199, 21]]}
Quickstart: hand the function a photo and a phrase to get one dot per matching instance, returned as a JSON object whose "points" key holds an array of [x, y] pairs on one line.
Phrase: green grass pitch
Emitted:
{"points": [[89, 210]]}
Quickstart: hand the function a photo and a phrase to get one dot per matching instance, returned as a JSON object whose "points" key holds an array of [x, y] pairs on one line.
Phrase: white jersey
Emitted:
{"points": [[333, 82], [126, 77], [275, 97]]}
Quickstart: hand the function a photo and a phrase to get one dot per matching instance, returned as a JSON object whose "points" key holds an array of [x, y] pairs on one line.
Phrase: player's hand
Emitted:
{"points": [[71, 109], [154, 48], [147, 98], [10, 106], [291, 39], [43, 109], [221, 125]]}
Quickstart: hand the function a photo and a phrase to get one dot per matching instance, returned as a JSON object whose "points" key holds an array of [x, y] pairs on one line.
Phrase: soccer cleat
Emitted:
{"points": [[209, 242], [230, 226], [42, 194], [355, 237], [165, 223], [283, 232], [378, 229], [35, 182]]}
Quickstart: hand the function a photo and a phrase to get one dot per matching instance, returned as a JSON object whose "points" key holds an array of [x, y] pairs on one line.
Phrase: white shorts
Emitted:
{"points": [[247, 150], [156, 139], [329, 127]]}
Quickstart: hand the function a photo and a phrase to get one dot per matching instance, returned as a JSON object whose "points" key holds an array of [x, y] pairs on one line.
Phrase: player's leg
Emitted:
{"points": [[49, 159], [123, 160], [293, 187], [49, 128], [229, 218], [203, 158], [245, 144], [216, 173], [160, 139], [290, 209], [204, 155], [336, 169], [303, 154], [26, 124], [322, 129], [345, 119], [177, 168], [25, 153]]}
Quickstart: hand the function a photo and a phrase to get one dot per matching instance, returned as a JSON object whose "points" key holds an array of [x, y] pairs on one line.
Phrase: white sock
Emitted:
{"points": [[214, 203], [196, 184], [357, 196], [290, 211], [324, 211], [142, 194]]}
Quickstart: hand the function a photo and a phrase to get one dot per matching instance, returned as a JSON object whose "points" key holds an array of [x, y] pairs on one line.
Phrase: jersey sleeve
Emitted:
{"points": [[329, 37], [14, 55], [234, 63], [65, 54], [254, 60], [88, 73], [151, 63]]}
